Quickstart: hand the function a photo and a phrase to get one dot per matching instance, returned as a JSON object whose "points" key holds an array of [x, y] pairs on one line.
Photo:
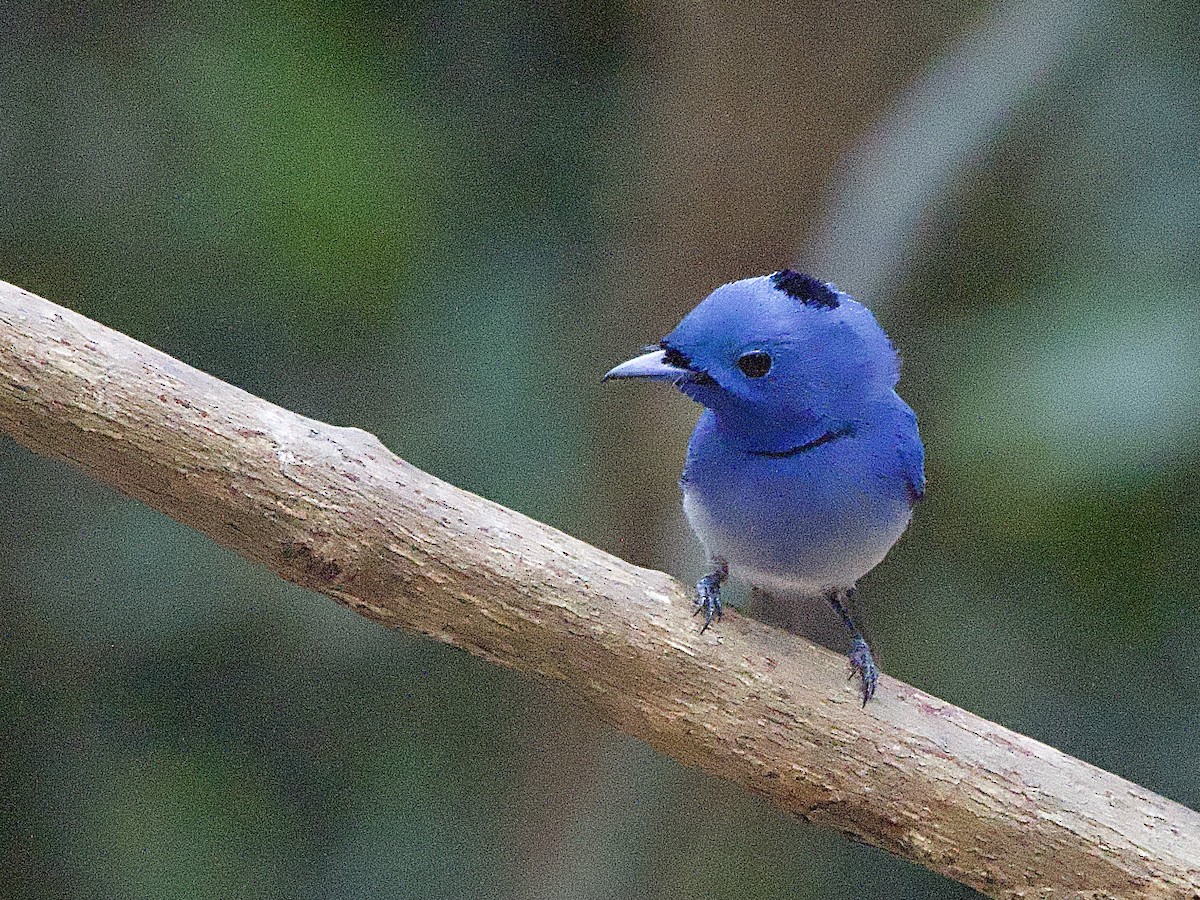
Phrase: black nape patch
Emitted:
{"points": [[808, 290]]}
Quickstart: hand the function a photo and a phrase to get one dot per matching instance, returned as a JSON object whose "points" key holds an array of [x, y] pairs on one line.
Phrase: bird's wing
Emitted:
{"points": [[911, 454]]}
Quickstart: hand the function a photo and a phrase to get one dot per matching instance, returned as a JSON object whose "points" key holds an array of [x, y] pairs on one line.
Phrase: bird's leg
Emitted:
{"points": [[708, 593], [862, 663]]}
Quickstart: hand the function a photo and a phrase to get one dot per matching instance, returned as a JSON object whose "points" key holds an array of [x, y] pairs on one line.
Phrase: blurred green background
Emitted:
{"points": [[443, 222]]}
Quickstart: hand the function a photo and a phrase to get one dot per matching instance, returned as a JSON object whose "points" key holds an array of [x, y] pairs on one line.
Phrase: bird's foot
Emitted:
{"points": [[708, 599], [862, 663]]}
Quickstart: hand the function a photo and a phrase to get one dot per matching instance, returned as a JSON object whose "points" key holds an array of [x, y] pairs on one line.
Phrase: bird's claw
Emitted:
{"points": [[708, 600], [862, 663]]}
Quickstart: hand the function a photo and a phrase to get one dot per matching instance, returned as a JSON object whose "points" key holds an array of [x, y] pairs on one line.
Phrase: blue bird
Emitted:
{"points": [[805, 465]]}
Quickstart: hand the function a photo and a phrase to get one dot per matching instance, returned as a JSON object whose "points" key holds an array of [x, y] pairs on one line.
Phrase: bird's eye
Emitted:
{"points": [[755, 364]]}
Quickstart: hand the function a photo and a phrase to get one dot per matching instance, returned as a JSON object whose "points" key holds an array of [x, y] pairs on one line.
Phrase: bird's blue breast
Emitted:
{"points": [[817, 514]]}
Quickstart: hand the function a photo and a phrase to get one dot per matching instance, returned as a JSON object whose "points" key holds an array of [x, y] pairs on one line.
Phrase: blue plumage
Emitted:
{"points": [[804, 467]]}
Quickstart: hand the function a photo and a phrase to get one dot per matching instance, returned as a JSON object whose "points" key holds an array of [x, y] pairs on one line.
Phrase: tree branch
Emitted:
{"points": [[331, 509]]}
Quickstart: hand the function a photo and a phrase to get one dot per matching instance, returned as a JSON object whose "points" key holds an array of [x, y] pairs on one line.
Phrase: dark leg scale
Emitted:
{"points": [[862, 662], [708, 594]]}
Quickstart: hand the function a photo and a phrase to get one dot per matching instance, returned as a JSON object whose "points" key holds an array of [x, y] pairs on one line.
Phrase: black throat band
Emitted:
{"points": [[827, 438]]}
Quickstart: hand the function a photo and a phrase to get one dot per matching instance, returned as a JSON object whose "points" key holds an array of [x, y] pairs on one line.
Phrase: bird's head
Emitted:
{"points": [[777, 351]]}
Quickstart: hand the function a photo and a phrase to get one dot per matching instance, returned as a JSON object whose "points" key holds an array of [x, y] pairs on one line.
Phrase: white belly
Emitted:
{"points": [[798, 567]]}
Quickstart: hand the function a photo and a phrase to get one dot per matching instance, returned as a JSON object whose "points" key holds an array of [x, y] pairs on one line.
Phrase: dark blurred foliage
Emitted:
{"points": [[442, 222]]}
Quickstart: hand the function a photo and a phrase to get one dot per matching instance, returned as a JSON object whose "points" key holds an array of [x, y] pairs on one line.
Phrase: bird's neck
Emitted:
{"points": [[753, 431], [756, 431]]}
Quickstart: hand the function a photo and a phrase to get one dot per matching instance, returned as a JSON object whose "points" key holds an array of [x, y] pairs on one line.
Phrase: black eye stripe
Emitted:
{"points": [[755, 364]]}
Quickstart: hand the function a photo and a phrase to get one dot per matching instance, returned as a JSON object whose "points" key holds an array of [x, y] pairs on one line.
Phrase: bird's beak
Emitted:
{"points": [[648, 365]]}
